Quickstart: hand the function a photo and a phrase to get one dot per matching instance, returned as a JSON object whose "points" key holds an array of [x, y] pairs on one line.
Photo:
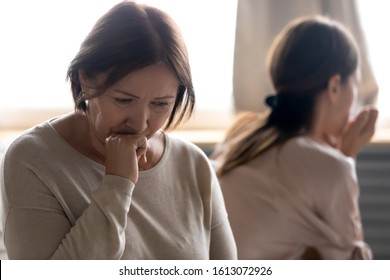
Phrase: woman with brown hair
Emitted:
{"points": [[106, 181], [288, 178]]}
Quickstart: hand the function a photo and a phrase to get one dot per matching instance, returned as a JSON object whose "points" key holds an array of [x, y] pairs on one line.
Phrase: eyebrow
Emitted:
{"points": [[137, 97]]}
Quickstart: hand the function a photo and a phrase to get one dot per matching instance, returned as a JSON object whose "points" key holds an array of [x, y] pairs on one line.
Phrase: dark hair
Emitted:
{"points": [[301, 61], [127, 38]]}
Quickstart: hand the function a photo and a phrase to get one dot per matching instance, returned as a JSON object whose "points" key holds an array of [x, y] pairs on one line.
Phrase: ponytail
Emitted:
{"points": [[253, 133]]}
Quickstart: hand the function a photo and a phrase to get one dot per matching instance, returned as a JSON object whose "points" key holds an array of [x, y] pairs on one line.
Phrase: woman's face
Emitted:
{"points": [[342, 108], [140, 103]]}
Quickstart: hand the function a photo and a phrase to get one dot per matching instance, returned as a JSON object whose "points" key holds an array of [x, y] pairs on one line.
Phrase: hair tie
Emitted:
{"points": [[271, 101]]}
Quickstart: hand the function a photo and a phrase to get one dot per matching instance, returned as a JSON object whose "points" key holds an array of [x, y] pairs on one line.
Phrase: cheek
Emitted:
{"points": [[345, 111], [100, 119], [158, 120], [347, 100], [350, 104]]}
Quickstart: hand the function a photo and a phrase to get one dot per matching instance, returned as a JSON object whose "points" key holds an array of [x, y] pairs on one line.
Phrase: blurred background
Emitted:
{"points": [[227, 42]]}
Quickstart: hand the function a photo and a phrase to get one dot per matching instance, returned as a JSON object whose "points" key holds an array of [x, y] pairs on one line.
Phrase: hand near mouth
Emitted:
{"points": [[124, 153], [357, 132]]}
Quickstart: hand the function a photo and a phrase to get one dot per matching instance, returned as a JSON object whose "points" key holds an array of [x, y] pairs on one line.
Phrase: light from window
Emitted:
{"points": [[40, 38], [375, 21]]}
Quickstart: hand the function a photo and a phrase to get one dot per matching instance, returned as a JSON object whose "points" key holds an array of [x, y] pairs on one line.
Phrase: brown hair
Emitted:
{"points": [[127, 38], [302, 59]]}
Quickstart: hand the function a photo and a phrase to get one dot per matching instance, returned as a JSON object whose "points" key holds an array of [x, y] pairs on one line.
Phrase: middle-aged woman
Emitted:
{"points": [[105, 181], [289, 178]]}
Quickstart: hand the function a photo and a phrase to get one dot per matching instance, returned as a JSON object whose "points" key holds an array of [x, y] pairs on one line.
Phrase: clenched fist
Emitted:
{"points": [[123, 152]]}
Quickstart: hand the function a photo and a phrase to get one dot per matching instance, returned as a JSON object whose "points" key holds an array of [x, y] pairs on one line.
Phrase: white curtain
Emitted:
{"points": [[259, 21]]}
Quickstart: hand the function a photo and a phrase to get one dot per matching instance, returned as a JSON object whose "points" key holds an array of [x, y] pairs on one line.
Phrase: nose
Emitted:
{"points": [[137, 120]]}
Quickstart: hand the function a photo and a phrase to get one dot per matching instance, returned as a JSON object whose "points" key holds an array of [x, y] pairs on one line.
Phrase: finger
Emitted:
{"points": [[142, 147], [356, 125], [373, 116], [145, 158], [369, 127]]}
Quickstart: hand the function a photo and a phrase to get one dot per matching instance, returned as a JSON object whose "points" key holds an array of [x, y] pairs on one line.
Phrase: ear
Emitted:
{"points": [[333, 90]]}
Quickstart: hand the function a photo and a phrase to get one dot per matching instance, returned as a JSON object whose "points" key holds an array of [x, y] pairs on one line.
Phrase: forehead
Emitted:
{"points": [[155, 72], [153, 77], [150, 71], [158, 79]]}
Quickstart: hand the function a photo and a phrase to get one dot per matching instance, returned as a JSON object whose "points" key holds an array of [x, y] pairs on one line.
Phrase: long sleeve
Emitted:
{"points": [[36, 225], [323, 196], [297, 196], [222, 243], [338, 207], [41, 230], [58, 204]]}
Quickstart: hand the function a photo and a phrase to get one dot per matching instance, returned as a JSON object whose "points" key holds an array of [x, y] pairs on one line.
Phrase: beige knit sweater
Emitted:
{"points": [[58, 204]]}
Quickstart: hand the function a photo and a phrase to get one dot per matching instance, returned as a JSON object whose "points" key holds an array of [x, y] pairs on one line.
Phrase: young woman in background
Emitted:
{"points": [[289, 178]]}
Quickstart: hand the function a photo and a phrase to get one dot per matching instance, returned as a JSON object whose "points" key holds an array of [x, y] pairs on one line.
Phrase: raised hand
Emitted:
{"points": [[358, 132], [123, 152]]}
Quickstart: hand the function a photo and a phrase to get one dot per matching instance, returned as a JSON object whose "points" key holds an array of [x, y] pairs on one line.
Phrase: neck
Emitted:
{"points": [[318, 126], [91, 145], [319, 132]]}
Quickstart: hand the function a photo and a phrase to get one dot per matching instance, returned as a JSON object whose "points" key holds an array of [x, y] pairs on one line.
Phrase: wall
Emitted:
{"points": [[373, 170]]}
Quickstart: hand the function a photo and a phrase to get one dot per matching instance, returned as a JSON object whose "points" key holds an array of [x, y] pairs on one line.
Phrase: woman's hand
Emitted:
{"points": [[123, 152], [358, 132]]}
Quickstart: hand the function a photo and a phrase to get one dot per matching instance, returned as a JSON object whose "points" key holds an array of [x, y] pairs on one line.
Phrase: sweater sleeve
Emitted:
{"points": [[36, 227], [324, 198], [222, 244], [338, 207]]}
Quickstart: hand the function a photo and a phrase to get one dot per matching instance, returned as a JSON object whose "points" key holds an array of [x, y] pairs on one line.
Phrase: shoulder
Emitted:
{"points": [[184, 147], [313, 155], [189, 156], [31, 144], [20, 162]]}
